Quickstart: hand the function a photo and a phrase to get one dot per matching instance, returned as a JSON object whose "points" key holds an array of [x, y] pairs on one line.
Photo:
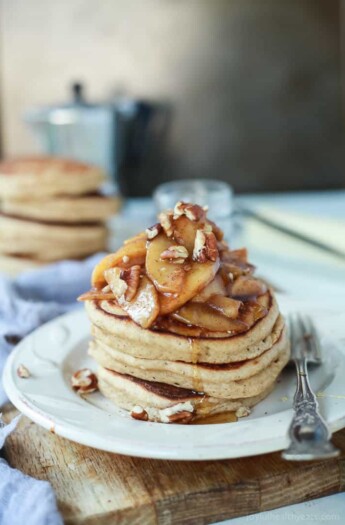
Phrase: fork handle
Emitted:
{"points": [[308, 432]]}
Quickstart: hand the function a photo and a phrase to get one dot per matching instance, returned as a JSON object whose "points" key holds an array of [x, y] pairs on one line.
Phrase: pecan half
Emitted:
{"points": [[205, 246], [84, 381], [153, 231], [193, 212], [139, 413], [23, 372], [131, 276], [165, 219], [176, 254]]}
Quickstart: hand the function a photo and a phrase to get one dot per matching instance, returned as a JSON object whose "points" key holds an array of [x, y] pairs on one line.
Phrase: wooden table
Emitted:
{"points": [[95, 487]]}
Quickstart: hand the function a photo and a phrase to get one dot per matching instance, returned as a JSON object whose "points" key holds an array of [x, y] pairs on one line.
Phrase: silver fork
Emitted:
{"points": [[308, 432]]}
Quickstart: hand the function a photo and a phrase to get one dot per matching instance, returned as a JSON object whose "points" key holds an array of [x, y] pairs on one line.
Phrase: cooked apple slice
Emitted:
{"points": [[128, 255], [144, 308], [141, 235], [168, 277], [171, 325], [185, 231], [216, 230], [196, 279], [113, 308], [247, 287], [96, 295], [225, 305], [198, 314], [215, 287], [168, 324], [252, 312]]}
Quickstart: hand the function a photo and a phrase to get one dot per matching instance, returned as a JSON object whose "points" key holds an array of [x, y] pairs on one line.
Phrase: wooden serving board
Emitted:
{"points": [[95, 487]]}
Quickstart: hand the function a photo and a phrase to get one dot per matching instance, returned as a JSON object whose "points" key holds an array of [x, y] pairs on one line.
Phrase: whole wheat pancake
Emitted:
{"points": [[126, 336], [181, 326], [216, 380], [87, 208], [13, 265], [50, 242], [160, 400], [46, 176]]}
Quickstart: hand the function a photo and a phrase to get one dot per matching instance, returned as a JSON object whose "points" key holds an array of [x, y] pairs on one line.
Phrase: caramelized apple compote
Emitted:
{"points": [[181, 276]]}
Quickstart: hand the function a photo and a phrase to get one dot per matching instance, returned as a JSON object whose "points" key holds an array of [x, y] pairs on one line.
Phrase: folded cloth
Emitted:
{"points": [[26, 302]]}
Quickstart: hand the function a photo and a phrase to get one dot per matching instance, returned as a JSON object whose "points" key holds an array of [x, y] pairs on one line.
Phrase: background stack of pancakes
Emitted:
{"points": [[181, 327], [51, 209]]}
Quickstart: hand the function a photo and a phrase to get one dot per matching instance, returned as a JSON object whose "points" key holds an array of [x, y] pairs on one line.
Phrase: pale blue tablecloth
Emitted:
{"points": [[25, 303]]}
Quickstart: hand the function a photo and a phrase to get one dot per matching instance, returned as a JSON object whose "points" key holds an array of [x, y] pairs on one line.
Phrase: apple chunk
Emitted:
{"points": [[215, 287], [196, 278], [198, 314], [225, 305], [144, 308], [130, 254], [165, 275], [185, 231]]}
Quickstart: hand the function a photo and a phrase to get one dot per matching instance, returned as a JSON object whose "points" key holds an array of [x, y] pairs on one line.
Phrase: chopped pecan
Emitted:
{"points": [[23, 372], [131, 276], [84, 381], [193, 212], [139, 413], [205, 246], [176, 254], [165, 219], [153, 231]]}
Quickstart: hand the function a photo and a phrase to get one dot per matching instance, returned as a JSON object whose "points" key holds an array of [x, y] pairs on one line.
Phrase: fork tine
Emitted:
{"points": [[312, 341], [296, 335]]}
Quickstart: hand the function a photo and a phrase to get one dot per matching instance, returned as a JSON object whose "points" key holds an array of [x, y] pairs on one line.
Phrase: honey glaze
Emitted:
{"points": [[216, 419]]}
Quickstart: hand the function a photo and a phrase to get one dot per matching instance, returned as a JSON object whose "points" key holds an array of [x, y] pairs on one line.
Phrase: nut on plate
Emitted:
{"points": [[84, 381], [23, 372], [139, 413]]}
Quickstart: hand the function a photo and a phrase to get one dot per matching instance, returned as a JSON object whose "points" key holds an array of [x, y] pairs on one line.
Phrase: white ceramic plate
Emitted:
{"points": [[56, 350]]}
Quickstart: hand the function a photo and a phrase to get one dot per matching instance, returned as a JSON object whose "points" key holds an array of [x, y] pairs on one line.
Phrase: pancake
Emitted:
{"points": [[181, 327], [42, 177], [126, 336], [13, 265], [159, 400], [214, 380], [78, 209], [50, 242]]}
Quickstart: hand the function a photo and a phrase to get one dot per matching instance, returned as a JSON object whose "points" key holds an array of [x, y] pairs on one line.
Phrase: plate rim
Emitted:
{"points": [[127, 447]]}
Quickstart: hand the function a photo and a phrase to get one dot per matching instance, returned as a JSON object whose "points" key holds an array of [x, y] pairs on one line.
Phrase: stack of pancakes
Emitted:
{"points": [[182, 334], [51, 209]]}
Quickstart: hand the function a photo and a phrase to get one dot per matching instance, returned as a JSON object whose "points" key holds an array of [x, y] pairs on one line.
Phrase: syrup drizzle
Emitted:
{"points": [[216, 419]]}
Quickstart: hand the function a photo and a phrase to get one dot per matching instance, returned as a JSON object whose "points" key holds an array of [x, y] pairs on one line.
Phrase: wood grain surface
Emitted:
{"points": [[95, 487]]}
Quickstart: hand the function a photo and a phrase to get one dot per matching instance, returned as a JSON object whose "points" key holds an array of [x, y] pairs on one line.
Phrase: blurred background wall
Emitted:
{"points": [[253, 87]]}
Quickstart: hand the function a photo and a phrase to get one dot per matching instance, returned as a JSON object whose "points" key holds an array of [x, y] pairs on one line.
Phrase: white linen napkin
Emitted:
{"points": [[26, 302]]}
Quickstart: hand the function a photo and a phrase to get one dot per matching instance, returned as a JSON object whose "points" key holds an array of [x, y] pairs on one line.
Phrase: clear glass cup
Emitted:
{"points": [[215, 194]]}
